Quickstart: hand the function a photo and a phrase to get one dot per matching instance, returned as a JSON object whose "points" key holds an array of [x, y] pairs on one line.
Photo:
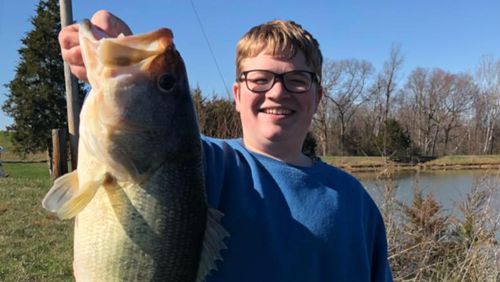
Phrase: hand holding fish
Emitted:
{"points": [[105, 25]]}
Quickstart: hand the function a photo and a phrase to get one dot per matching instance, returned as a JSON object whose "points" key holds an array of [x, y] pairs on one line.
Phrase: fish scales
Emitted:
{"points": [[152, 229], [138, 193]]}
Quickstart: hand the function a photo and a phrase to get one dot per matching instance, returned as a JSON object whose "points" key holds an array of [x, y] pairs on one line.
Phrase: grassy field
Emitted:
{"points": [[467, 159], [35, 246], [9, 154], [356, 161]]}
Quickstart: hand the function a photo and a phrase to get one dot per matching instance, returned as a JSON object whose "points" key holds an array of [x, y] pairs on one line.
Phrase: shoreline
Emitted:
{"points": [[419, 167], [381, 164]]}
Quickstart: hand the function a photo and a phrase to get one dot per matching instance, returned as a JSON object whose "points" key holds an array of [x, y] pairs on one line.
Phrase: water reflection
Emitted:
{"points": [[448, 187]]}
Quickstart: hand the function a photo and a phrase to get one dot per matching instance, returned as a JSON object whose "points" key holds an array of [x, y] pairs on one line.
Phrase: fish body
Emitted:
{"points": [[138, 193]]}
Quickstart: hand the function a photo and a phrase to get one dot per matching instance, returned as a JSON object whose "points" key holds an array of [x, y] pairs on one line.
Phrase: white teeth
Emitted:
{"points": [[277, 111]]}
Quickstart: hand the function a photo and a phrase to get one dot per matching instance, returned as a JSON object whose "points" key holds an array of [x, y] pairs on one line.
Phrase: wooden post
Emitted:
{"points": [[72, 101], [59, 153]]}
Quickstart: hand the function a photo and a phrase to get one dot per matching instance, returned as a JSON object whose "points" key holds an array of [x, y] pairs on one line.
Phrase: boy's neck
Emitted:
{"points": [[281, 153]]}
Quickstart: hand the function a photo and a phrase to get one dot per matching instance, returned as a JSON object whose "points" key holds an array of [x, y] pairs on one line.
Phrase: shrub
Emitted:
{"points": [[425, 244]]}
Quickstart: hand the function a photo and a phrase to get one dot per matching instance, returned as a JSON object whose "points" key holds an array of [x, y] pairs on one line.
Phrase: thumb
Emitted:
{"points": [[108, 25]]}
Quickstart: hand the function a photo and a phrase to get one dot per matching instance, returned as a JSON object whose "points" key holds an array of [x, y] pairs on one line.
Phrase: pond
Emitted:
{"points": [[448, 187]]}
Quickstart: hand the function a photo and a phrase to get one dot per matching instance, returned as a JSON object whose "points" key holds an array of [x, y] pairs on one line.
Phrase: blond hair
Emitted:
{"points": [[282, 39]]}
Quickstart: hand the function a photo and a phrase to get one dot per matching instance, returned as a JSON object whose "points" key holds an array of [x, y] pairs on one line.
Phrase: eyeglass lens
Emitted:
{"points": [[293, 81]]}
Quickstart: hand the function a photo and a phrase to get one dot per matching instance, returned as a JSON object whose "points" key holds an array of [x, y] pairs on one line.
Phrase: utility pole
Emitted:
{"points": [[72, 101]]}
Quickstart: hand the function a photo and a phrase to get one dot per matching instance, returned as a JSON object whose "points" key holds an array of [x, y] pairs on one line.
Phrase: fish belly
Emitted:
{"points": [[143, 232]]}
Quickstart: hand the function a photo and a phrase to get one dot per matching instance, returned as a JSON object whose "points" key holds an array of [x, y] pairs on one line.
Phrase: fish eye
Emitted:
{"points": [[166, 82]]}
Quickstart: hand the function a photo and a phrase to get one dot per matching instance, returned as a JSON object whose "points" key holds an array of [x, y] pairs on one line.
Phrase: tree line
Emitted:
{"points": [[431, 112]]}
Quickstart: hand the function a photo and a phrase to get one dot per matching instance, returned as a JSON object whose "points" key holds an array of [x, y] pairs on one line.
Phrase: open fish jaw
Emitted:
{"points": [[127, 108]]}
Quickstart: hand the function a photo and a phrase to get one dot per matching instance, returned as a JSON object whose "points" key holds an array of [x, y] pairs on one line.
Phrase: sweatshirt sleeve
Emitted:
{"points": [[213, 166]]}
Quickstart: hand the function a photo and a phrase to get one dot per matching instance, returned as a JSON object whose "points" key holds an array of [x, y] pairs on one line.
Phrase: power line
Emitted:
{"points": [[210, 48]]}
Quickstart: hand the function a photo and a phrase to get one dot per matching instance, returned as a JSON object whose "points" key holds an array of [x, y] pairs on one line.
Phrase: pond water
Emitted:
{"points": [[448, 187]]}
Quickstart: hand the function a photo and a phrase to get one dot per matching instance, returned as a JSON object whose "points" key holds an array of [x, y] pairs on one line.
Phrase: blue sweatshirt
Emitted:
{"points": [[291, 223]]}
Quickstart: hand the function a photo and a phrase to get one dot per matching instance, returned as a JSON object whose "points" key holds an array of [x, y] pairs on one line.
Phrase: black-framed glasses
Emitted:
{"points": [[296, 81]]}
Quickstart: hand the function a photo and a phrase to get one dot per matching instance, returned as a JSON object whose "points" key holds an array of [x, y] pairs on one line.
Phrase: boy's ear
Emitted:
{"points": [[236, 95]]}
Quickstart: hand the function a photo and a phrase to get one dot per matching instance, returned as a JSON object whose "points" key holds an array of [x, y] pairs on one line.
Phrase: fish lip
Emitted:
{"points": [[135, 55], [86, 28], [90, 30]]}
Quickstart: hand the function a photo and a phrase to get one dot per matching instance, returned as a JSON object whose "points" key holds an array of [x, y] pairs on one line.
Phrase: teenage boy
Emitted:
{"points": [[290, 217]]}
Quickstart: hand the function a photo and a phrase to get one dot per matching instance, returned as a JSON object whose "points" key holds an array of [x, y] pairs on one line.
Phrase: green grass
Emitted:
{"points": [[34, 171], [355, 161], [352, 163], [467, 159], [35, 246]]}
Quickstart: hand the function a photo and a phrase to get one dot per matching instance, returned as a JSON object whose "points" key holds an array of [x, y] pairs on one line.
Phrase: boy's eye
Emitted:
{"points": [[260, 80], [298, 79], [259, 77]]}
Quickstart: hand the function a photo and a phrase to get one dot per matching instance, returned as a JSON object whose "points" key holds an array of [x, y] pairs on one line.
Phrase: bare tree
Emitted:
{"points": [[323, 119], [321, 125], [345, 85], [389, 76], [457, 102], [435, 105], [419, 117], [488, 78], [439, 89], [444, 112], [386, 83]]}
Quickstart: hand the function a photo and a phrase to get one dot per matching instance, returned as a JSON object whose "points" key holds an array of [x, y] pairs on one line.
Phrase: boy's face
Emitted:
{"points": [[275, 117]]}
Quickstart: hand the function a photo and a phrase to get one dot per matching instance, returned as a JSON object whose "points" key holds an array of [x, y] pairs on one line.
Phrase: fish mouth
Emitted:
{"points": [[111, 56]]}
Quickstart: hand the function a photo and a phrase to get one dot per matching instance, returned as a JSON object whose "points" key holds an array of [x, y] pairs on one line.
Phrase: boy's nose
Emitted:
{"points": [[277, 91]]}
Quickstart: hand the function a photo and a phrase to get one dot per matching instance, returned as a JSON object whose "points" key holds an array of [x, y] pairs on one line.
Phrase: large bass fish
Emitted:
{"points": [[138, 193]]}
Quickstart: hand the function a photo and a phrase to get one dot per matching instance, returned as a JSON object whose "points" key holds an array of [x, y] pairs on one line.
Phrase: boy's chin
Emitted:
{"points": [[282, 137]]}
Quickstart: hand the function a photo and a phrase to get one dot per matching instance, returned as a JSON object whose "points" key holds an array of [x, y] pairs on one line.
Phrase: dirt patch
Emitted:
{"points": [[3, 208]]}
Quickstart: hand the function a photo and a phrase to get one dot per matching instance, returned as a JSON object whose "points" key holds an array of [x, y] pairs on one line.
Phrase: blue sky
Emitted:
{"points": [[452, 35]]}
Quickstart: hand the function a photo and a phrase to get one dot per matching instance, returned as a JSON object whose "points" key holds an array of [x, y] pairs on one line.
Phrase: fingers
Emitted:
{"points": [[68, 37], [105, 25], [80, 72], [110, 24], [70, 45], [71, 52]]}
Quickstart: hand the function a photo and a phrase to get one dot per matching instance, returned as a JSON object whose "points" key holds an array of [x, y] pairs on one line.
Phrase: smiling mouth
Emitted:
{"points": [[277, 111]]}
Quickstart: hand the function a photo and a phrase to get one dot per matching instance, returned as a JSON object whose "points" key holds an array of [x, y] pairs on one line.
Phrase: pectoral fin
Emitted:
{"points": [[212, 244], [64, 188], [66, 198]]}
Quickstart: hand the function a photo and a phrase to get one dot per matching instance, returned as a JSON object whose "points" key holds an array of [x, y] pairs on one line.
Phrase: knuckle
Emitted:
{"points": [[68, 36]]}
